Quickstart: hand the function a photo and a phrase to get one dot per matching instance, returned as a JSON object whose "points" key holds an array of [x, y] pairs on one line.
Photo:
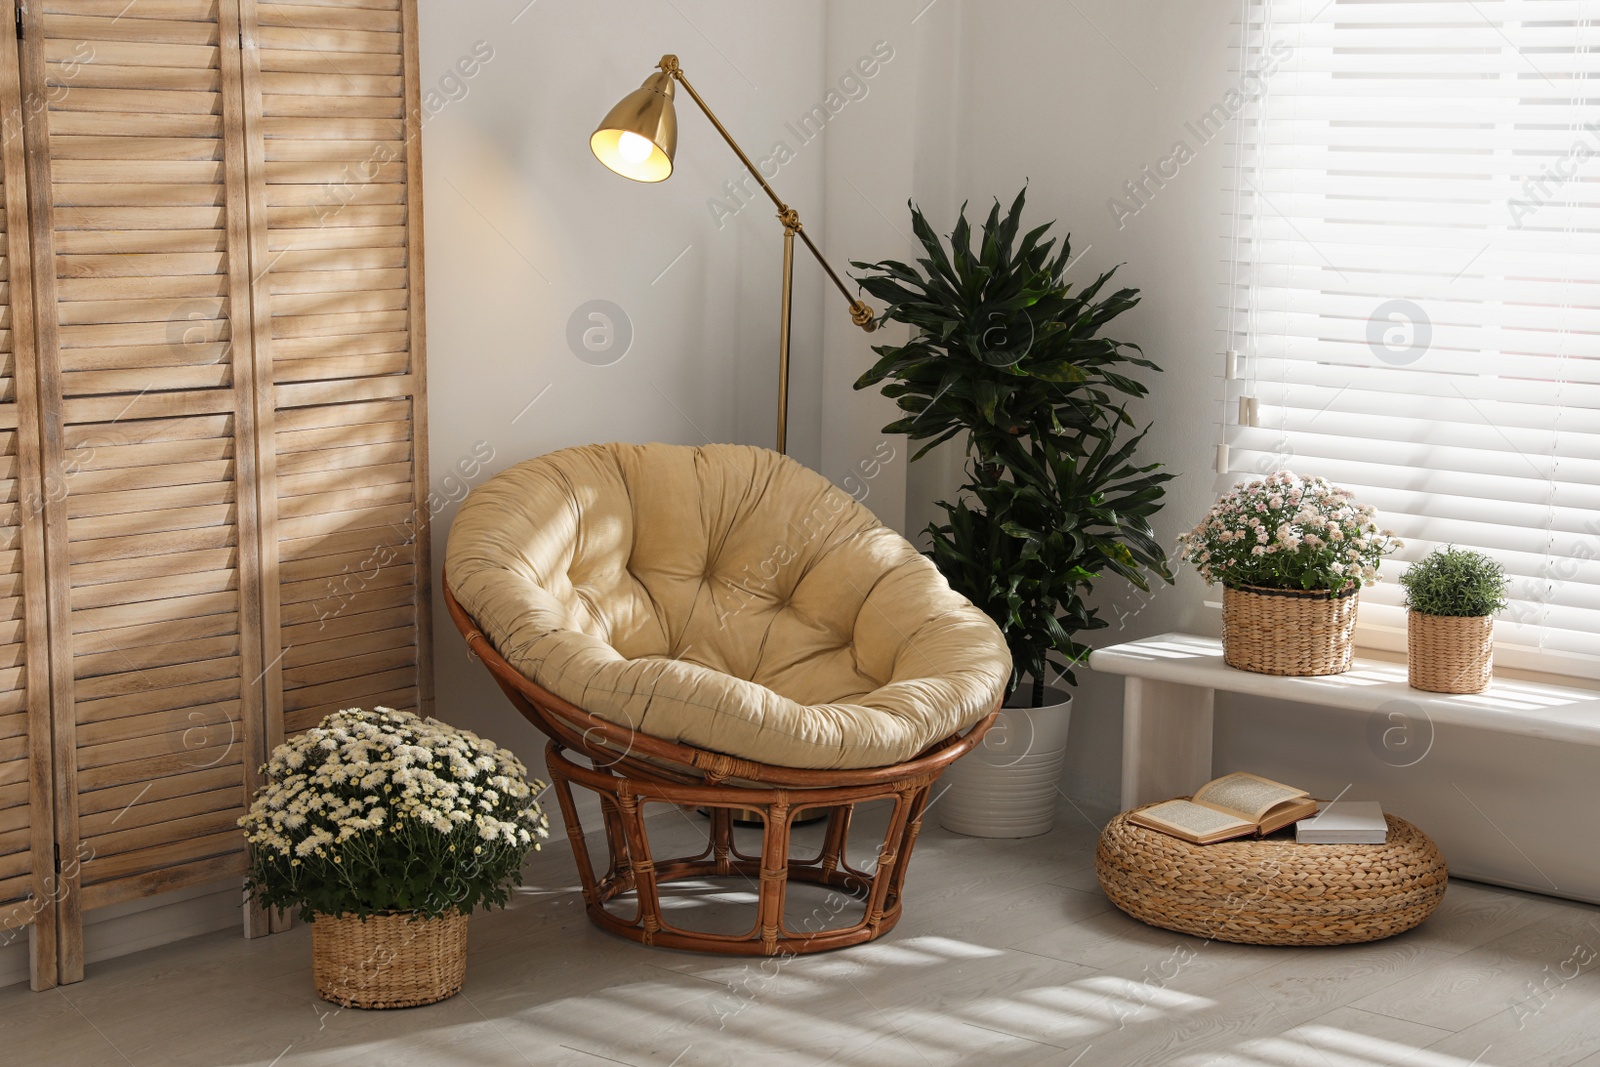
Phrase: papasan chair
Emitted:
{"points": [[722, 629]]}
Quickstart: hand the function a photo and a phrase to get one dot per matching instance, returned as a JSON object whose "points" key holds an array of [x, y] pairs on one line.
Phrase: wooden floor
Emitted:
{"points": [[1008, 955]]}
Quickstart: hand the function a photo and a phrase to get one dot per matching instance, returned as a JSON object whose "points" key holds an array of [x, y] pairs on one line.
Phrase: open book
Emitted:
{"points": [[1231, 806]]}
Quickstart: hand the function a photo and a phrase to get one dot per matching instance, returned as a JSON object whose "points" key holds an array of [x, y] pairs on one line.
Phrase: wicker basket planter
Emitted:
{"points": [[388, 961], [1448, 653], [1273, 891], [1288, 631]]}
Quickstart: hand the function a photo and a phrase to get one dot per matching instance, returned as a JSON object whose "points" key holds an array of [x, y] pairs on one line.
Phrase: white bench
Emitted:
{"points": [[1172, 681]]}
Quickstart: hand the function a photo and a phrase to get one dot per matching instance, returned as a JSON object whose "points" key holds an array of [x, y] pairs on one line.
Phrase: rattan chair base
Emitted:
{"points": [[632, 869], [1449, 654], [630, 771], [388, 961], [1272, 891]]}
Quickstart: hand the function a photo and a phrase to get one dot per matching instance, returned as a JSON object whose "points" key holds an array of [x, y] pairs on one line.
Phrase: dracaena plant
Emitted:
{"points": [[1031, 550], [1004, 348], [1005, 352]]}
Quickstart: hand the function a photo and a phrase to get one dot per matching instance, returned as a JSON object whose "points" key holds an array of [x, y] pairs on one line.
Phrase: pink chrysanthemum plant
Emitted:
{"points": [[1289, 532]]}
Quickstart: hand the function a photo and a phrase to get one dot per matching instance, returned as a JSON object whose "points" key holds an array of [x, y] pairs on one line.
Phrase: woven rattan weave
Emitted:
{"points": [[1272, 891], [1287, 631], [388, 961], [1449, 654]]}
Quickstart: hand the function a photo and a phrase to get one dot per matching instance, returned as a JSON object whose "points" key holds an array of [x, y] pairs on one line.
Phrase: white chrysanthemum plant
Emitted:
{"points": [[384, 812], [1289, 532]]}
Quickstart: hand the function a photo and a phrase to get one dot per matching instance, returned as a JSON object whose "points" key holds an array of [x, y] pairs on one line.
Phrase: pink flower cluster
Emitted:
{"points": [[1288, 532]]}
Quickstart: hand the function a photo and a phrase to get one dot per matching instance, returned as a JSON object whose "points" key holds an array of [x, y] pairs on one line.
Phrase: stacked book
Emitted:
{"points": [[1344, 822], [1240, 804]]}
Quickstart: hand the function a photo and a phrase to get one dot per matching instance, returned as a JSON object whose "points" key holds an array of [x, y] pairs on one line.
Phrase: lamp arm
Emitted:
{"points": [[860, 313]]}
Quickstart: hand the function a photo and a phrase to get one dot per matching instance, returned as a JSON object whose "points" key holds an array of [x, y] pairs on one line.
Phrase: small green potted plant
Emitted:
{"points": [[386, 830], [1005, 353], [1452, 596]]}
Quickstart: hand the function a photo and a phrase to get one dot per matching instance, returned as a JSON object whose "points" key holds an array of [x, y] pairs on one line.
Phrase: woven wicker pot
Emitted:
{"points": [[1450, 654], [1288, 631], [388, 961], [1008, 785]]}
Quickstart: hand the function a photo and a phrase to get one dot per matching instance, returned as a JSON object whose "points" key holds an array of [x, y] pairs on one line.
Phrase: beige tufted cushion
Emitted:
{"points": [[724, 597]]}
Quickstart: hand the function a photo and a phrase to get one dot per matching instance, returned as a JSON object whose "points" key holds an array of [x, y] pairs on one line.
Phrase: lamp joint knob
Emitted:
{"points": [[861, 314]]}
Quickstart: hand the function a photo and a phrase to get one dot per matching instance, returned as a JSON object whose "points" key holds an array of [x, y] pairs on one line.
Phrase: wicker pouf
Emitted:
{"points": [[388, 961], [1274, 891]]}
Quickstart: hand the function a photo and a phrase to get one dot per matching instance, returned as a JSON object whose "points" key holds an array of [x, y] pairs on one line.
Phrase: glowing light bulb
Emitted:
{"points": [[633, 148]]}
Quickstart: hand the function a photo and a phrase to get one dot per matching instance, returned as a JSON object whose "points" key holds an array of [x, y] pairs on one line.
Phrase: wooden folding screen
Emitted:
{"points": [[143, 274], [334, 122], [224, 217], [28, 883]]}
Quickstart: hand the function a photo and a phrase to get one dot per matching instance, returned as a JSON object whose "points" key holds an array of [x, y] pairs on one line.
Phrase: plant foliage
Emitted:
{"points": [[1028, 555], [1006, 352], [1004, 349], [381, 811], [1457, 582], [1288, 532]]}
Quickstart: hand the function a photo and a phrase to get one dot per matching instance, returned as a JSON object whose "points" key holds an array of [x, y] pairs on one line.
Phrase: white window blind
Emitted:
{"points": [[1415, 285]]}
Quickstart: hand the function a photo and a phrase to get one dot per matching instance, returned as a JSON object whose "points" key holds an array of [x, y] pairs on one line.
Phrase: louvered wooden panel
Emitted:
{"points": [[140, 229], [336, 238], [27, 832]]}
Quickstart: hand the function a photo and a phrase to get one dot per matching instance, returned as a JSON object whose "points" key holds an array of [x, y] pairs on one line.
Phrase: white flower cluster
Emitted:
{"points": [[361, 773], [1288, 532]]}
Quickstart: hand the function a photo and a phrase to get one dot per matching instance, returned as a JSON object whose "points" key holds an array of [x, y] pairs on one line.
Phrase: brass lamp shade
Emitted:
{"points": [[638, 137]]}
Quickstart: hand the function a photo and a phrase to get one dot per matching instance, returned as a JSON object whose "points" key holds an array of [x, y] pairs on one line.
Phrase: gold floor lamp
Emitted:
{"points": [[638, 138]]}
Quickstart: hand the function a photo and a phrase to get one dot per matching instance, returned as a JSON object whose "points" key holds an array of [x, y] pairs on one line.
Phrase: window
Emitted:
{"points": [[1414, 287]]}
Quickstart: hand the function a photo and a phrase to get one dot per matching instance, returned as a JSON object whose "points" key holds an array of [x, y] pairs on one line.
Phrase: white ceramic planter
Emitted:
{"points": [[1006, 787]]}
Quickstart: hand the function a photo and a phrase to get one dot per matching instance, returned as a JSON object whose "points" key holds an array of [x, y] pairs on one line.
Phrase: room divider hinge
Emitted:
{"points": [[57, 847], [19, 22]]}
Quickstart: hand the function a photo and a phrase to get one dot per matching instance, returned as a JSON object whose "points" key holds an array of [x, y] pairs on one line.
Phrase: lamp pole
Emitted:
{"points": [[860, 313]]}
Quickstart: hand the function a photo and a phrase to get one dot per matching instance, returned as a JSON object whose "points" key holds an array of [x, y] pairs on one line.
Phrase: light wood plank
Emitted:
{"points": [[110, 28], [296, 16], [153, 612], [116, 798], [164, 857], [187, 540], [348, 689], [319, 609], [147, 682], [164, 811]]}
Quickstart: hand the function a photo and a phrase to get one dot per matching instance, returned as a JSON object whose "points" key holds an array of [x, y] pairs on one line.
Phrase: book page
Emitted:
{"points": [[1284, 814], [1190, 817], [1247, 795]]}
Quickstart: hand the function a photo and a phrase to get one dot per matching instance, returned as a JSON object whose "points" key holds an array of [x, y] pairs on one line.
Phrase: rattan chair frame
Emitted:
{"points": [[629, 770]]}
